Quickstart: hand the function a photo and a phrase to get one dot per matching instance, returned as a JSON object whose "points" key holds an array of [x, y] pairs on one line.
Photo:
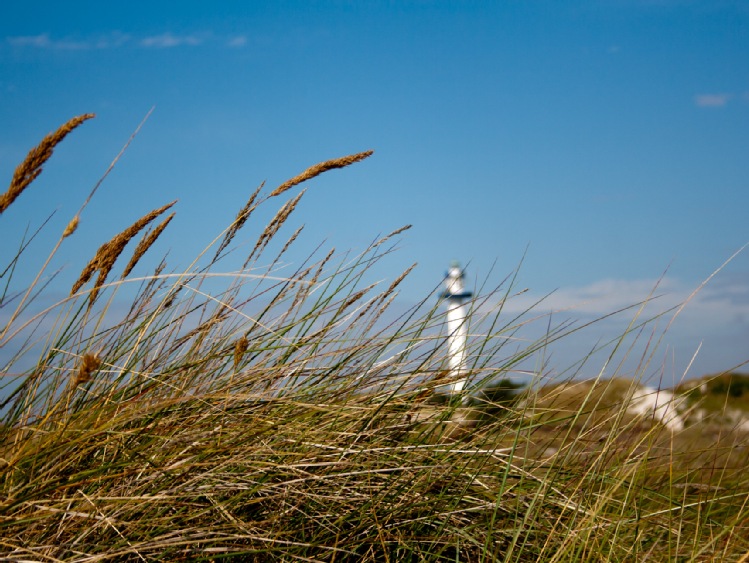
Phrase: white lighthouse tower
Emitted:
{"points": [[455, 296]]}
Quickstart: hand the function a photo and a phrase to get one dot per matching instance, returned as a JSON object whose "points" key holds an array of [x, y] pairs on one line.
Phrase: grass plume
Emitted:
{"points": [[146, 243], [31, 167], [239, 222], [89, 364], [318, 169], [104, 259], [275, 224], [240, 347], [71, 227]]}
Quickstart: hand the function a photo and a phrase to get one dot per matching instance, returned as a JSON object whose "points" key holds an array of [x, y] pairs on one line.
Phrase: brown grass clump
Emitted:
{"points": [[318, 169], [155, 434], [108, 253], [31, 167], [583, 402]]}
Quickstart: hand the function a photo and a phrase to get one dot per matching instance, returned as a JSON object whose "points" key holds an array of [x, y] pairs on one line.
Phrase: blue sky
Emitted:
{"points": [[608, 140]]}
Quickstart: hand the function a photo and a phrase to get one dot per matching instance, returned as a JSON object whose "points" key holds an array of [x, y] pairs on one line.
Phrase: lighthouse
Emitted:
{"points": [[455, 296]]}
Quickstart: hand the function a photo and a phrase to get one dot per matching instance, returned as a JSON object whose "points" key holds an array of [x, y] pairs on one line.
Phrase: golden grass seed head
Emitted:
{"points": [[391, 235], [31, 167], [321, 267], [291, 240], [275, 224], [240, 347], [318, 169], [146, 243], [105, 257], [89, 364], [399, 279], [240, 220], [71, 227]]}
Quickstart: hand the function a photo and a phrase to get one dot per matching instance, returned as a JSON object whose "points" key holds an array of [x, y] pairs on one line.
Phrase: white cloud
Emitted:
{"points": [[43, 41], [70, 45], [712, 100], [714, 322], [117, 39], [237, 41], [112, 40], [714, 306], [168, 40], [602, 297], [40, 41]]}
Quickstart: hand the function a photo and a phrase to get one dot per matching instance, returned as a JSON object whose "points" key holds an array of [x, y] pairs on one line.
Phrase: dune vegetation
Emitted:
{"points": [[248, 416]]}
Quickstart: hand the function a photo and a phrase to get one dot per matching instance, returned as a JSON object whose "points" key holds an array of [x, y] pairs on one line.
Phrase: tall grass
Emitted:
{"points": [[250, 416]]}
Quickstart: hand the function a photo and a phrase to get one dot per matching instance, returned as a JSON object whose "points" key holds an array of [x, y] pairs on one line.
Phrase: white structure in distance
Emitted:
{"points": [[455, 296]]}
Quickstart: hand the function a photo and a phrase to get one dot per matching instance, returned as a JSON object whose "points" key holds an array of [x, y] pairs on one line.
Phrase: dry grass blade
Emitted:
{"points": [[145, 244], [318, 169], [108, 253], [31, 167]]}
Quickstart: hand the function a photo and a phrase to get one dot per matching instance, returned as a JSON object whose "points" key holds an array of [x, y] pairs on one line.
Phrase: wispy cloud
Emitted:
{"points": [[714, 321], [237, 41], [117, 39], [712, 100], [600, 297], [44, 41], [713, 305], [168, 40], [112, 40], [39, 41]]}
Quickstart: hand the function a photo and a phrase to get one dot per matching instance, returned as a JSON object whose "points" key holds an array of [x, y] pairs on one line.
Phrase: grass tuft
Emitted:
{"points": [[254, 416]]}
